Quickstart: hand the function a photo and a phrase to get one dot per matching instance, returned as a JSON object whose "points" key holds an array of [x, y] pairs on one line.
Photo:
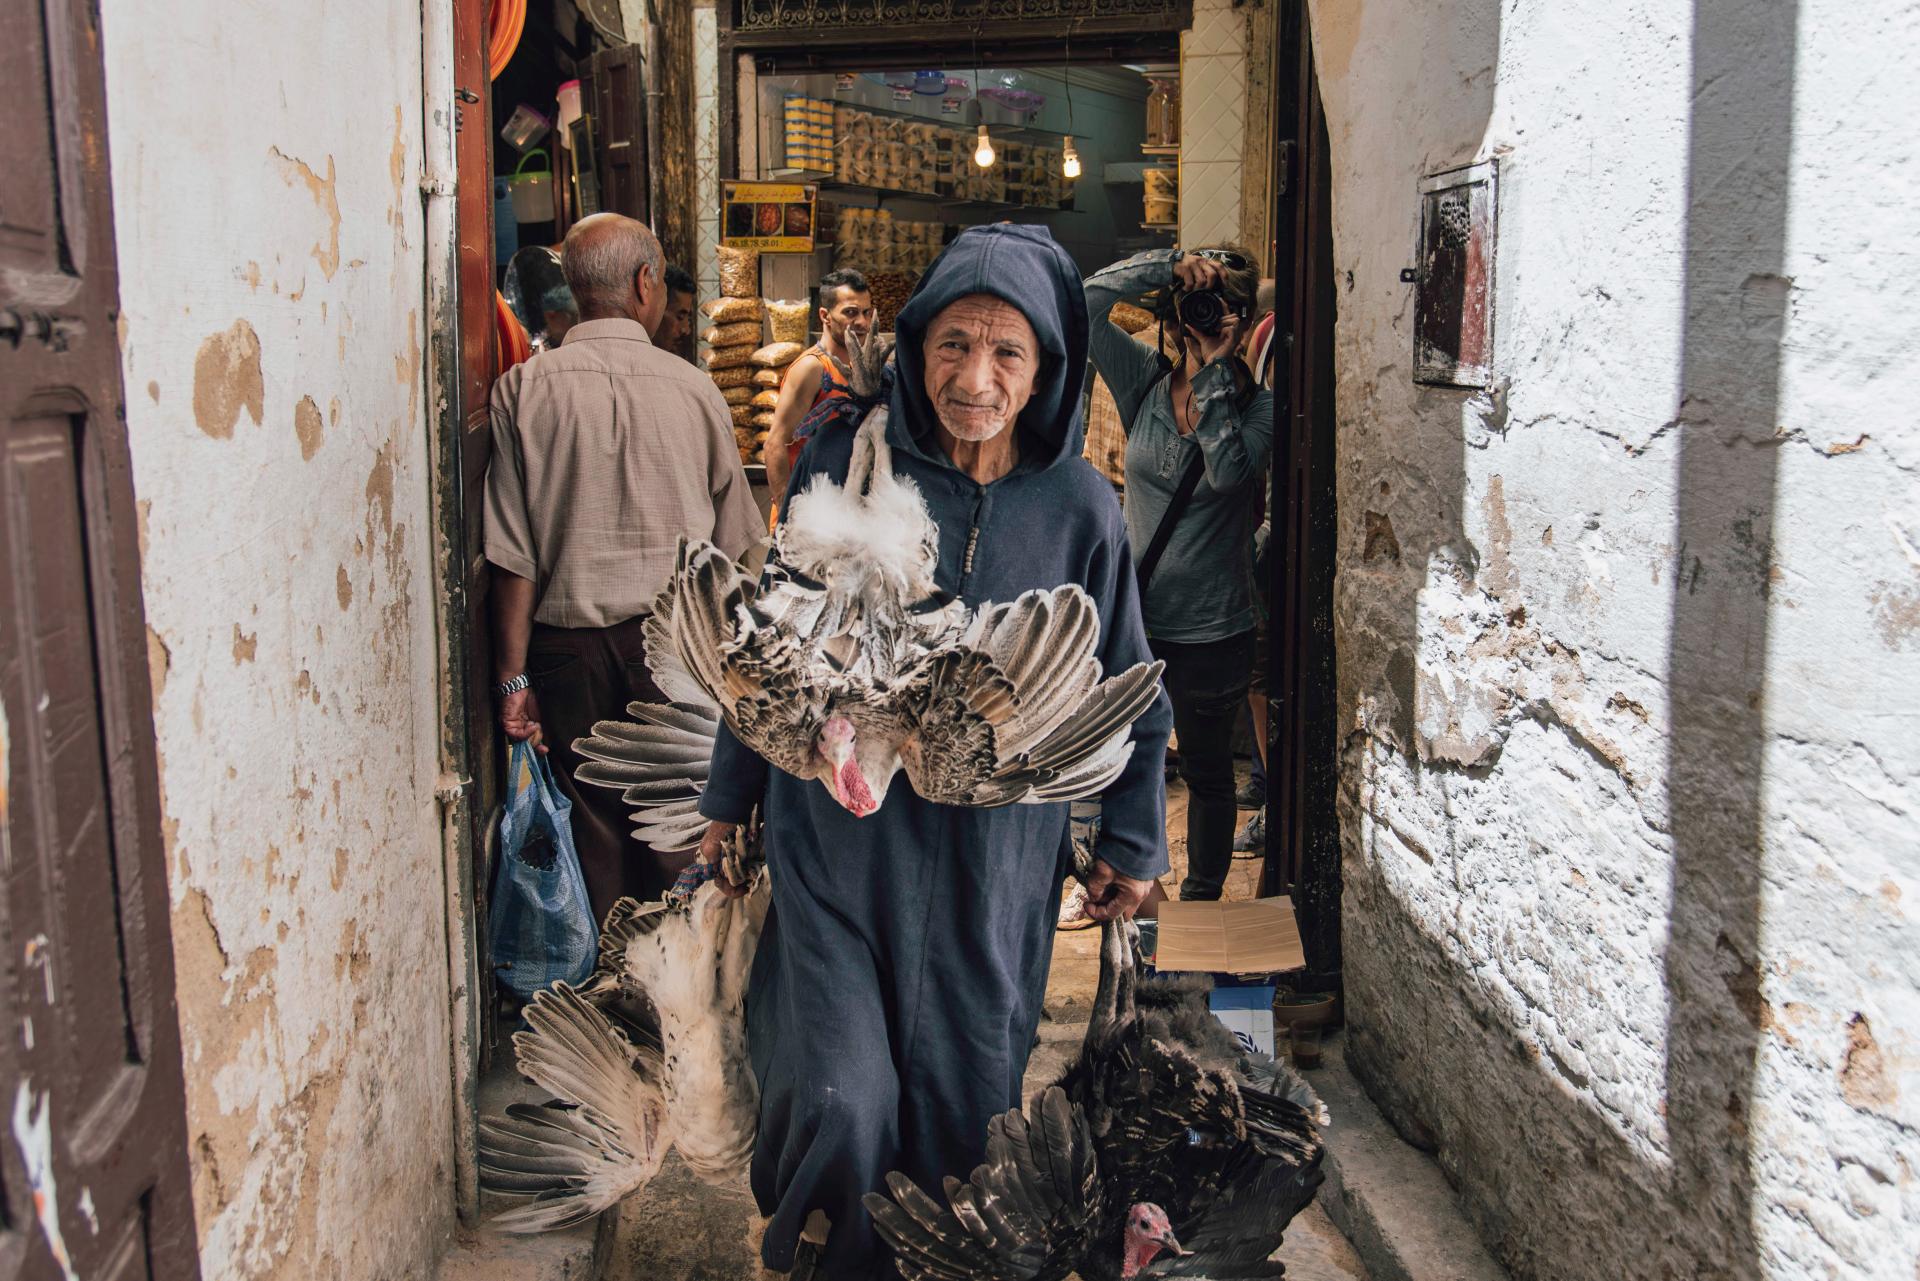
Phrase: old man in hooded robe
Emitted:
{"points": [[897, 989]]}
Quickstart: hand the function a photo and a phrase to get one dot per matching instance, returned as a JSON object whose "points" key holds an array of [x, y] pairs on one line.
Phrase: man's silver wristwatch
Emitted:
{"points": [[513, 686]]}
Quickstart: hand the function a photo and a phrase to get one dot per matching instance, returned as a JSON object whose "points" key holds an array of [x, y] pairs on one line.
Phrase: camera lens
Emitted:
{"points": [[1203, 310]]}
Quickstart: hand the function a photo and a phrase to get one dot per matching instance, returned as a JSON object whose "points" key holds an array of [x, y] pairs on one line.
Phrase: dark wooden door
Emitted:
{"points": [[93, 1170], [620, 130], [1303, 829]]}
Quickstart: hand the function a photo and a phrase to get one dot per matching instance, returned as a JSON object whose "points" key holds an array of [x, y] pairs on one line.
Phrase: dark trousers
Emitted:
{"points": [[1207, 683], [581, 675]]}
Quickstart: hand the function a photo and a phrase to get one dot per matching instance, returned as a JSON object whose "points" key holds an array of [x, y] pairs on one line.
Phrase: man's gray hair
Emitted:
{"points": [[601, 256]]}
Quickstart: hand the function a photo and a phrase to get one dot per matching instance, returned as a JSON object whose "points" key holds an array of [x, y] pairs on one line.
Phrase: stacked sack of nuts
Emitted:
{"points": [[769, 370], [732, 339], [747, 372]]}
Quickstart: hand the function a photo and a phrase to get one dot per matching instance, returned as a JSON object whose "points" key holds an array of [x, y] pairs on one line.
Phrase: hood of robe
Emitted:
{"points": [[1026, 267]]}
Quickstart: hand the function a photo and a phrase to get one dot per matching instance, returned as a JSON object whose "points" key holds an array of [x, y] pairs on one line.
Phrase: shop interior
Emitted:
{"points": [[905, 159], [898, 161]]}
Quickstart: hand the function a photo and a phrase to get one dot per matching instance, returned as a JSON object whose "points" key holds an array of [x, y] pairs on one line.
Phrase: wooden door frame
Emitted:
{"points": [[457, 191], [1303, 835]]}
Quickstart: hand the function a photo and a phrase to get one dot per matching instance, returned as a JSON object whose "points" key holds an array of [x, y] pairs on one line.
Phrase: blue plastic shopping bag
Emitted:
{"points": [[541, 924]]}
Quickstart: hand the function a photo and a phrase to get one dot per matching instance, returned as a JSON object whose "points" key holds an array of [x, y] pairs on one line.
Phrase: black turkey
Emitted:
{"points": [[1155, 1154]]}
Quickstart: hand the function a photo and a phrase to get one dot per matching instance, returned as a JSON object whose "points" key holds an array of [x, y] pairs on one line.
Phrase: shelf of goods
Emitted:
{"points": [[890, 252], [892, 154]]}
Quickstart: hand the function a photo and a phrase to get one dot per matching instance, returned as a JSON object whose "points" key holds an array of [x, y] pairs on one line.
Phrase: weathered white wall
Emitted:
{"points": [[267, 209], [1629, 650]]}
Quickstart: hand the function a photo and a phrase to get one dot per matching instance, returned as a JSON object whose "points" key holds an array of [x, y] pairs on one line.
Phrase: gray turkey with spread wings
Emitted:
{"points": [[847, 664], [1158, 1154], [651, 1052]]}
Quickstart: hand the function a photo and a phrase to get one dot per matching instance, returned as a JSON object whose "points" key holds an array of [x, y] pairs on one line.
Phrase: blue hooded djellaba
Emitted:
{"points": [[897, 989]]}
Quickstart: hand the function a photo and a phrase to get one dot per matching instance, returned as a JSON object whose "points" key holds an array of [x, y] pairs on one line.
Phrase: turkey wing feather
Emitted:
{"points": [[658, 762], [1027, 1213], [1098, 728], [750, 671]]}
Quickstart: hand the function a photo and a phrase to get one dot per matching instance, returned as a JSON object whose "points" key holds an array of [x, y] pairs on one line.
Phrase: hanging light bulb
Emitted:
{"points": [[1070, 163], [983, 153]]}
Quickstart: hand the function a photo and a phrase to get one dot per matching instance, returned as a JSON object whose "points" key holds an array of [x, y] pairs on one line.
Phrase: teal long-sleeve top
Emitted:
{"points": [[1203, 588]]}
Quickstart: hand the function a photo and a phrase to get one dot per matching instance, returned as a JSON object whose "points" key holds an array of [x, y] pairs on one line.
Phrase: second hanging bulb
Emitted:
{"points": [[983, 152]]}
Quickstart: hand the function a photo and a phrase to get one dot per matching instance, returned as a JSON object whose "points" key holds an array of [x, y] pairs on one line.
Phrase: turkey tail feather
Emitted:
{"points": [[606, 1142], [571, 1167]]}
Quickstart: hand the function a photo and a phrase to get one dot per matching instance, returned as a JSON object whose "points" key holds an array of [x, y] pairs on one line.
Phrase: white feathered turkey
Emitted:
{"points": [[651, 1052], [1162, 1151], [846, 664]]}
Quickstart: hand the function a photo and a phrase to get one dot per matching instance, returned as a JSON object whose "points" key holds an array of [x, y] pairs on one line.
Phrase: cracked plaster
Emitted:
{"points": [[269, 265], [1525, 955]]}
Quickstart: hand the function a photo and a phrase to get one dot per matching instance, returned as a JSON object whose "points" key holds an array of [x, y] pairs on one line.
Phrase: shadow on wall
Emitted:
{"points": [[1400, 502], [1738, 188]]}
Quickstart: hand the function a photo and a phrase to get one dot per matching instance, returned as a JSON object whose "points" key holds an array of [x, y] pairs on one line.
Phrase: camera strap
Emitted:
{"points": [[1163, 533]]}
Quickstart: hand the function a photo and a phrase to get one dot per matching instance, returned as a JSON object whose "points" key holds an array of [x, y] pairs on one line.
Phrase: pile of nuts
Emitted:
{"points": [[891, 289]]}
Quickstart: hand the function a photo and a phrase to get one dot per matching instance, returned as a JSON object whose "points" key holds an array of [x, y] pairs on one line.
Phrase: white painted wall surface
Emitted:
{"points": [[1630, 651], [267, 210]]}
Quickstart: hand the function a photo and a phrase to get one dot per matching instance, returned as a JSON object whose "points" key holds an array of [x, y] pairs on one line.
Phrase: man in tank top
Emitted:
{"points": [[820, 373]]}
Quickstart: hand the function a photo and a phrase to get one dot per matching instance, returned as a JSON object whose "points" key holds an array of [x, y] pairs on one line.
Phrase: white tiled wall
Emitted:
{"points": [[706, 148], [1213, 105]]}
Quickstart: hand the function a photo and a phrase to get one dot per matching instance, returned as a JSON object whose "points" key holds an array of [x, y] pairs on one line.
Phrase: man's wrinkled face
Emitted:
{"points": [[982, 357], [677, 323], [850, 312]]}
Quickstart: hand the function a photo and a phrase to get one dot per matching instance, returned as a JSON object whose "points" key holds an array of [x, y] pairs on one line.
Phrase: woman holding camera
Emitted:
{"points": [[1199, 432]]}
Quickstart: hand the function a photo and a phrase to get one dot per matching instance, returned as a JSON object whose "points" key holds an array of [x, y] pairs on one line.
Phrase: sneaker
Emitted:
{"points": [[1073, 909], [1250, 796], [1252, 837]]}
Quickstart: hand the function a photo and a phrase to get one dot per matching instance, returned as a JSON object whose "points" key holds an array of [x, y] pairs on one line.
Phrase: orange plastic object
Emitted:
{"points": [[506, 19], [513, 345]]}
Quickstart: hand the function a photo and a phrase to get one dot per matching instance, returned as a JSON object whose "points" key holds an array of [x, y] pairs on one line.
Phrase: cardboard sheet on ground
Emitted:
{"points": [[1258, 936]]}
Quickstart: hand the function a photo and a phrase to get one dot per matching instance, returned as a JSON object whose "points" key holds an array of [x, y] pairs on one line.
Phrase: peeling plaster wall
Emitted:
{"points": [[266, 197], [1629, 645]]}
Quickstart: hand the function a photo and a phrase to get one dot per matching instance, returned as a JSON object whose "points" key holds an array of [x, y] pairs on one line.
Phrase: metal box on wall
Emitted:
{"points": [[1453, 283]]}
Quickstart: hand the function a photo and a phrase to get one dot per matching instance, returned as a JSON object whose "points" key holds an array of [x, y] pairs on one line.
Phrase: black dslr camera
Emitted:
{"points": [[1206, 310]]}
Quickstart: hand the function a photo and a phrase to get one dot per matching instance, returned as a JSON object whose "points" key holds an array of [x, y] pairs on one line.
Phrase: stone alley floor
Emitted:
{"points": [[682, 1228]]}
